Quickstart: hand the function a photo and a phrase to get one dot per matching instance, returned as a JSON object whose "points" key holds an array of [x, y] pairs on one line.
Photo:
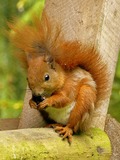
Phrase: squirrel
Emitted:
{"points": [[66, 78]]}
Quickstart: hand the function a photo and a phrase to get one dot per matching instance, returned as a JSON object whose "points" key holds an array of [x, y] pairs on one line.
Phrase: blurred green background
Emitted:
{"points": [[12, 76]]}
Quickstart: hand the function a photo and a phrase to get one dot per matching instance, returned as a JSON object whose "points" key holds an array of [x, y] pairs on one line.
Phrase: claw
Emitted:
{"points": [[54, 125], [69, 136], [66, 132]]}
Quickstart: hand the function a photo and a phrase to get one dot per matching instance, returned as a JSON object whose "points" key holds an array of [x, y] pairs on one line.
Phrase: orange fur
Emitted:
{"points": [[86, 97], [42, 37], [68, 83]]}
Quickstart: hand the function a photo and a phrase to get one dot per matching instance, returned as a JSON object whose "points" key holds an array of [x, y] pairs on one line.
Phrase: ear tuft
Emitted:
{"points": [[49, 59]]}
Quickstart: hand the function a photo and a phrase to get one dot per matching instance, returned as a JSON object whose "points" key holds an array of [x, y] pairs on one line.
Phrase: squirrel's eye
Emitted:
{"points": [[47, 77]]}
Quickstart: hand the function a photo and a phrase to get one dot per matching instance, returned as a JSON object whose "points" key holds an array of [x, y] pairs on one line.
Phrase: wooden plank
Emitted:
{"points": [[44, 143], [9, 124]]}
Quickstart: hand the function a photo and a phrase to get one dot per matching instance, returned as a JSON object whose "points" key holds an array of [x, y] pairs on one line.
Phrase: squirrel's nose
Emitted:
{"points": [[38, 92]]}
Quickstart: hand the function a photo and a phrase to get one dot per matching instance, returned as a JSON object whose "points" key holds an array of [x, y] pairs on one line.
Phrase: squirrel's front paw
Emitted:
{"points": [[32, 104], [44, 104]]}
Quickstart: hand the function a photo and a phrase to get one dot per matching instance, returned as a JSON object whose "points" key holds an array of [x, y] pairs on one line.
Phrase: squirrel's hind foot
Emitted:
{"points": [[65, 132]]}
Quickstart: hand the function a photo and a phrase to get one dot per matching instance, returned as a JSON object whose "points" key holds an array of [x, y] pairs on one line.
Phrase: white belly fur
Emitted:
{"points": [[60, 115]]}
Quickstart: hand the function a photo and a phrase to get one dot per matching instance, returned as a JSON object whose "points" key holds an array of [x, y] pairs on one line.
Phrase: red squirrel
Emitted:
{"points": [[66, 78]]}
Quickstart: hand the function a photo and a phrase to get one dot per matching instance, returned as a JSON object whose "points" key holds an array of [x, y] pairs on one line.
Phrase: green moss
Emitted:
{"points": [[41, 144]]}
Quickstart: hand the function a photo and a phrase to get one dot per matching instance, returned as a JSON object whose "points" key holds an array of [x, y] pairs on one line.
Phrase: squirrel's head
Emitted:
{"points": [[45, 76]]}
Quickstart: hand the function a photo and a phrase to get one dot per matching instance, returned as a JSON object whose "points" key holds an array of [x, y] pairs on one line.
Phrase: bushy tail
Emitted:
{"points": [[72, 54], [44, 37]]}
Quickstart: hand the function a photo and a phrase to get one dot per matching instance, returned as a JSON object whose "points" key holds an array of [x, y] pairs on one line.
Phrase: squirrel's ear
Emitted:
{"points": [[50, 60]]}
